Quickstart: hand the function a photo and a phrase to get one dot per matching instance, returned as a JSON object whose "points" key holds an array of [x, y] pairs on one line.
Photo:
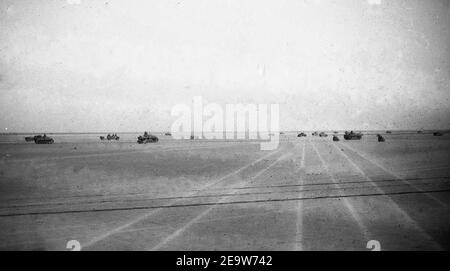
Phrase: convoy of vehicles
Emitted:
{"points": [[149, 138], [110, 137]]}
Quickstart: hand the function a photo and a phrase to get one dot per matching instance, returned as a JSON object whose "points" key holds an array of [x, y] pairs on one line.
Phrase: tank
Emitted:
{"points": [[322, 134], [43, 140], [147, 138], [335, 138], [168, 134], [301, 134], [352, 135], [438, 134], [380, 138], [315, 134]]}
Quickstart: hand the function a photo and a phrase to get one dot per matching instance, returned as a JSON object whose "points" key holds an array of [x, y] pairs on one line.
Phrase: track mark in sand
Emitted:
{"points": [[347, 203], [397, 207], [207, 211], [147, 215], [108, 154], [298, 242], [398, 177]]}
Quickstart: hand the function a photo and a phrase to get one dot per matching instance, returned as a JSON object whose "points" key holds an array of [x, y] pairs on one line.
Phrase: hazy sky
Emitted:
{"points": [[78, 65]]}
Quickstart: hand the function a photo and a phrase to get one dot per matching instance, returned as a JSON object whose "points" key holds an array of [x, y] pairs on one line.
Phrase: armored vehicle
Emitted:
{"points": [[147, 138], [352, 135], [43, 139]]}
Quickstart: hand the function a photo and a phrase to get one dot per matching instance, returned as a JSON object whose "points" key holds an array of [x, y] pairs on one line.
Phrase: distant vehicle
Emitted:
{"points": [[147, 138], [322, 134], [281, 133], [380, 138], [301, 134], [315, 134], [335, 138], [192, 137], [110, 137], [438, 134], [352, 135], [43, 139], [168, 134], [419, 132], [388, 132]]}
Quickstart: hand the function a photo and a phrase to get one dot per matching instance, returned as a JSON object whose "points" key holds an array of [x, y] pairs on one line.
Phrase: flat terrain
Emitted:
{"points": [[309, 194]]}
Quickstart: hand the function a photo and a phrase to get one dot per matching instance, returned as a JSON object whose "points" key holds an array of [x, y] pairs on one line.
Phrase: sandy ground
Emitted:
{"points": [[309, 194]]}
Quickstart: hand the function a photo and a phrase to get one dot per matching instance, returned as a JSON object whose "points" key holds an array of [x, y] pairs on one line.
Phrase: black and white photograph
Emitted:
{"points": [[225, 125]]}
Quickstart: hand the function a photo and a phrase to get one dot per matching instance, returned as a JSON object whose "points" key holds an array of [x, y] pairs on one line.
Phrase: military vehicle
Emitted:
{"points": [[335, 138], [322, 134], [110, 137], [43, 139], [147, 138], [419, 132], [438, 134], [315, 134], [380, 138], [168, 134], [388, 132], [301, 134], [352, 135]]}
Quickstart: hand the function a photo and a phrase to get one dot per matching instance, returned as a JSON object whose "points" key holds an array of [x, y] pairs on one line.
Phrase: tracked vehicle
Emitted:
{"points": [[43, 139], [352, 135], [147, 138]]}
